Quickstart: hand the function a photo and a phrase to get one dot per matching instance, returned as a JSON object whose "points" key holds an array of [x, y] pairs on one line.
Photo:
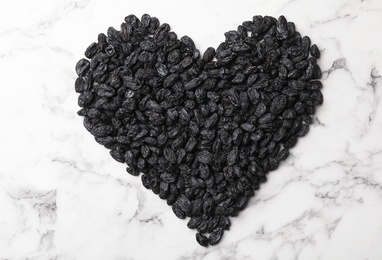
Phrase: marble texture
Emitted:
{"points": [[63, 197]]}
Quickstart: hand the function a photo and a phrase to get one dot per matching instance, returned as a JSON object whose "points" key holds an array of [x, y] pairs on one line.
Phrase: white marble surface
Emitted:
{"points": [[63, 197]]}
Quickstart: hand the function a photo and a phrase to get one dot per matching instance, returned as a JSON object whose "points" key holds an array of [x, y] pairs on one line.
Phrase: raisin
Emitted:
{"points": [[209, 54], [204, 157], [91, 50], [178, 211], [202, 239], [82, 67], [278, 104], [314, 51], [215, 236], [85, 99]]}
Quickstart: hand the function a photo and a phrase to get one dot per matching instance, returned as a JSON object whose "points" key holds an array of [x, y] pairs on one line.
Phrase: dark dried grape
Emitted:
{"points": [[280, 134], [169, 154], [289, 113], [85, 99], [104, 90], [82, 67], [80, 85], [212, 224], [209, 54], [184, 204], [202, 239], [204, 157], [314, 51], [248, 127], [91, 50], [215, 236], [211, 121], [188, 42], [314, 85], [101, 130], [260, 109], [316, 72], [282, 155], [303, 130], [194, 222], [193, 83], [225, 223], [278, 104], [168, 177], [178, 211], [232, 156], [266, 118], [145, 20]]}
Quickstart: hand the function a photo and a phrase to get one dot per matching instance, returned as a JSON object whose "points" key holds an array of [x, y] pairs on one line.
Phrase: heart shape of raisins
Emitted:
{"points": [[203, 131]]}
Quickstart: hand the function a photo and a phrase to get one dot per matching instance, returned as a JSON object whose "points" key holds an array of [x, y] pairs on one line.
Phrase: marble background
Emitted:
{"points": [[63, 197]]}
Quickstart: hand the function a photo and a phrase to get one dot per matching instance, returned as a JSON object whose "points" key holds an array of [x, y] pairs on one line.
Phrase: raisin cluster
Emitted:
{"points": [[202, 130]]}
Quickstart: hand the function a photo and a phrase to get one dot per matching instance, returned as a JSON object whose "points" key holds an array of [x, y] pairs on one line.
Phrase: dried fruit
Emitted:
{"points": [[278, 104], [215, 236], [202, 239], [203, 130], [314, 51]]}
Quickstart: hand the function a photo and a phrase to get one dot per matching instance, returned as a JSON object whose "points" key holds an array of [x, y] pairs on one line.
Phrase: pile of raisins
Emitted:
{"points": [[203, 130]]}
